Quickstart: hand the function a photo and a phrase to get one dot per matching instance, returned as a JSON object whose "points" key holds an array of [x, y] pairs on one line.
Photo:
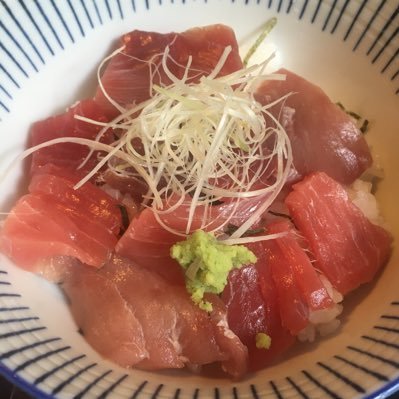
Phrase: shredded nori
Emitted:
{"points": [[365, 124], [283, 215], [125, 219], [231, 228]]}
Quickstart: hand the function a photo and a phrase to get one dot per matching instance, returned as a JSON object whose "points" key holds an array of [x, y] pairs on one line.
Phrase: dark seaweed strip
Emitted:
{"points": [[139, 389], [91, 385], [82, 2], [108, 9], [343, 378], [40, 357], [388, 329], [13, 352], [13, 308], [381, 341], [216, 393], [177, 394], [134, 6], [387, 43], [56, 369], [297, 388], [254, 391], [66, 382], [39, 31], [329, 15], [196, 393], [5, 92], [3, 272], [374, 356], [395, 303], [366, 29], [355, 18], [316, 382], [303, 10], [75, 16], [61, 18], [316, 11], [270, 4], [112, 387], [9, 295], [22, 30], [373, 373], [275, 390], [341, 13], [157, 390], [147, 4], [395, 75], [5, 283], [280, 3], [120, 9], [235, 393], [49, 24], [13, 59], [383, 30], [16, 320]]}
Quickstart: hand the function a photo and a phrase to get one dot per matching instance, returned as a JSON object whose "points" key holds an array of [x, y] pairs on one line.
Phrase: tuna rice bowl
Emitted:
{"points": [[196, 212], [194, 206]]}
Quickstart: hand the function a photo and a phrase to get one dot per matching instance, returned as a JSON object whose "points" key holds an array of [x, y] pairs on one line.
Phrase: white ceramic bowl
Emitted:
{"points": [[49, 51]]}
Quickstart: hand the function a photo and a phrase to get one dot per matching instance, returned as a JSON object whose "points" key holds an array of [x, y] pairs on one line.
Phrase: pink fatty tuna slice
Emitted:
{"points": [[155, 324], [323, 137], [347, 247], [127, 77], [67, 155], [44, 224]]}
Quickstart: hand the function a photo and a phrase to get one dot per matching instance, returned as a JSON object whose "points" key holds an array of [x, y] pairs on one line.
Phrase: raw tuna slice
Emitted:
{"points": [[128, 74], [67, 155], [94, 204], [323, 137], [104, 318], [148, 244], [302, 297], [176, 332], [348, 248], [45, 223], [252, 308]]}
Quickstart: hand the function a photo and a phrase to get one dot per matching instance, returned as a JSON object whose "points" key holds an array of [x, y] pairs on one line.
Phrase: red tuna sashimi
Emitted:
{"points": [[348, 248], [67, 155], [300, 292], [94, 204], [128, 74], [174, 331], [148, 243], [252, 308], [323, 137], [41, 225], [104, 318]]}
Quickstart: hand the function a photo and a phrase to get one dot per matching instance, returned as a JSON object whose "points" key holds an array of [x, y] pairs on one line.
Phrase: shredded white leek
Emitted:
{"points": [[201, 142]]}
